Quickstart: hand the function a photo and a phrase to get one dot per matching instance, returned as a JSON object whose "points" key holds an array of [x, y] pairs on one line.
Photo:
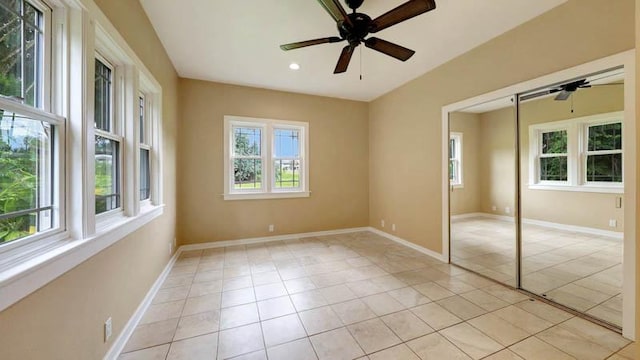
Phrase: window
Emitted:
{"points": [[581, 154], [22, 52], [604, 153], [265, 158], [48, 185], [455, 159], [553, 155], [107, 142], [30, 140], [145, 151]]}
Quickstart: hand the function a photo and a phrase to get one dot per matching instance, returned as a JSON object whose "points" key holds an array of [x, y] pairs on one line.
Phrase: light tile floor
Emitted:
{"points": [[353, 296], [581, 271]]}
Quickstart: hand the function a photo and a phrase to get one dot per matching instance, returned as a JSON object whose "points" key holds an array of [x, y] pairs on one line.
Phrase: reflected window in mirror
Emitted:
{"points": [[580, 154], [455, 159]]}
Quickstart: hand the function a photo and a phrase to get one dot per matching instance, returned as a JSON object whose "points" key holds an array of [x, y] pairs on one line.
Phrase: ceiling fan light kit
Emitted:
{"points": [[355, 27]]}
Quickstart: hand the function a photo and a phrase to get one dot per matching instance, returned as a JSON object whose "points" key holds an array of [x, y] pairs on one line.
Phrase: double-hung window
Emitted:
{"points": [[145, 150], [107, 141], [31, 137], [603, 155], [580, 154], [553, 155], [455, 159], [265, 158]]}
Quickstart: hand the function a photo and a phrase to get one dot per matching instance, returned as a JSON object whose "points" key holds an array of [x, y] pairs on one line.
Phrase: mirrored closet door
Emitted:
{"points": [[482, 184], [571, 151]]}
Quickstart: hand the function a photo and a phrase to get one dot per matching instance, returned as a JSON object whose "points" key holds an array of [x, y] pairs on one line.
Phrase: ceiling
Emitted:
{"points": [[237, 42]]}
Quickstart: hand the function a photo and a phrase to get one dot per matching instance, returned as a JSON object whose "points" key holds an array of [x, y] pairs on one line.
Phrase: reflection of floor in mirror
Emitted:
{"points": [[578, 270]]}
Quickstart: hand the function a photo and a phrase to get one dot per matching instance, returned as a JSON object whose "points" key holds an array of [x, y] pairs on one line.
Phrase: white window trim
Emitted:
{"points": [[268, 190], [33, 264], [458, 138], [576, 154]]}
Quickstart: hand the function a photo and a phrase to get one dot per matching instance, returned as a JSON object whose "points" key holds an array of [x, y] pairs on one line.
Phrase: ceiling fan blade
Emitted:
{"points": [[337, 12], [401, 13], [301, 44], [388, 48], [343, 61], [563, 95]]}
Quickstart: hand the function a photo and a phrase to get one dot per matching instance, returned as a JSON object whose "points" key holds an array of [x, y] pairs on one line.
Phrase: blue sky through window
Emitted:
{"points": [[287, 142]]}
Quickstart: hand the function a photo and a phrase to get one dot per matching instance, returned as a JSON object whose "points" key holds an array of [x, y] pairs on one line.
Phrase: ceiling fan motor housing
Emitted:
{"points": [[354, 4], [356, 34]]}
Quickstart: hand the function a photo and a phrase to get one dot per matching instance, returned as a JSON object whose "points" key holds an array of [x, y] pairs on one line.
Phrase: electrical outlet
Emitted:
{"points": [[271, 228], [107, 329], [494, 208], [507, 210], [382, 222], [393, 227], [613, 223]]}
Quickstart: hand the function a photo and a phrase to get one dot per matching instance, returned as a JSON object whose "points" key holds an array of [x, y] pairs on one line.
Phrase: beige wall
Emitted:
{"points": [[466, 199], [637, 177], [566, 207], [64, 320], [405, 124], [338, 179], [497, 162]]}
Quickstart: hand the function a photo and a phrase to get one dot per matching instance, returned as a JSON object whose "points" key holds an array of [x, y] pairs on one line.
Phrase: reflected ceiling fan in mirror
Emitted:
{"points": [[565, 90], [355, 27]]}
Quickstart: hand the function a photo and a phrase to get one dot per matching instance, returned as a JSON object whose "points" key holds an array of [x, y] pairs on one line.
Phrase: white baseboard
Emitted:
{"points": [[547, 224], [128, 329], [409, 244], [258, 240]]}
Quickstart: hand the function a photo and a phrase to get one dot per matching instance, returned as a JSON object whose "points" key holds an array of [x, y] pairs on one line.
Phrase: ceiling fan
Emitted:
{"points": [[565, 90], [355, 27]]}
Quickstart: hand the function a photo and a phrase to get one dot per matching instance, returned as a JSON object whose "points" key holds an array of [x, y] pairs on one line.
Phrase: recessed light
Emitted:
{"points": [[294, 66]]}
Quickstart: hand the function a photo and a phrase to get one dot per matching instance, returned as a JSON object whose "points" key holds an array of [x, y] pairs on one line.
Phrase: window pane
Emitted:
{"points": [[102, 97], [20, 52], [554, 142], [247, 173], [247, 141], [553, 168], [145, 175], [142, 125], [452, 148], [287, 142], [604, 168], [26, 176], [107, 165], [605, 137], [287, 173], [453, 171]]}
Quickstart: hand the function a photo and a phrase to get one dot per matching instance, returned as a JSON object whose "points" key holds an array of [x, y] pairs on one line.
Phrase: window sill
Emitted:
{"points": [[581, 188], [263, 196], [46, 264]]}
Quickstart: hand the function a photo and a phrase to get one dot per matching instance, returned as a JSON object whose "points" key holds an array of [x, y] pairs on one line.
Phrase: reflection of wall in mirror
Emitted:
{"points": [[489, 172]]}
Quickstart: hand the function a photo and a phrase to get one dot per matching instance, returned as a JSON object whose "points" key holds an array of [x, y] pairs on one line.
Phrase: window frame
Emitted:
{"points": [[541, 155], [114, 134], [577, 149], [51, 112], [268, 189], [457, 138], [586, 153]]}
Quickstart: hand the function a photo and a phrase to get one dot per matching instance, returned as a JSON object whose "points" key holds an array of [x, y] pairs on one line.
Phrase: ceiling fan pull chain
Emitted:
{"points": [[572, 103], [360, 63]]}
